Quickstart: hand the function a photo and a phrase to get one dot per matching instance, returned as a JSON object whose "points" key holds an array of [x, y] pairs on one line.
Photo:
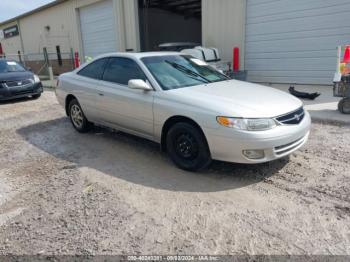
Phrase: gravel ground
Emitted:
{"points": [[110, 193]]}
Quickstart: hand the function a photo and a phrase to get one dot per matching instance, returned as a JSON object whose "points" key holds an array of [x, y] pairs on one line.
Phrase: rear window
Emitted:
{"points": [[94, 70]]}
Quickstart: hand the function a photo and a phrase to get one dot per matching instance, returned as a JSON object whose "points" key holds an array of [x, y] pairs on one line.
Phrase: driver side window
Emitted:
{"points": [[120, 70]]}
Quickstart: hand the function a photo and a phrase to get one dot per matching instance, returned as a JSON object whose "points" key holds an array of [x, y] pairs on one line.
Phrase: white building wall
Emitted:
{"points": [[11, 45], [63, 20], [131, 25], [223, 26]]}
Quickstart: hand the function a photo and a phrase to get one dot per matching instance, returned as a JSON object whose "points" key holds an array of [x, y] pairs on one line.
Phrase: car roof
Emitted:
{"points": [[139, 55]]}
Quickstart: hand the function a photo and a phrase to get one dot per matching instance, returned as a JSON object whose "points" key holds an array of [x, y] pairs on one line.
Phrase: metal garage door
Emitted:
{"points": [[97, 23], [295, 41]]}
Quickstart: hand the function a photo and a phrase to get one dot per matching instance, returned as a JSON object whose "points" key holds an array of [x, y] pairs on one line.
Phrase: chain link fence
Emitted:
{"points": [[40, 63]]}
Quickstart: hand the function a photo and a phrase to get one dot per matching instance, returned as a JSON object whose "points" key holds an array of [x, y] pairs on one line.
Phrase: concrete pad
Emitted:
{"points": [[323, 108], [49, 83]]}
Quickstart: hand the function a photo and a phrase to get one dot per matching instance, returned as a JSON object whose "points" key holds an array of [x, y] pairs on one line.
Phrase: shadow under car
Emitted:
{"points": [[138, 160]]}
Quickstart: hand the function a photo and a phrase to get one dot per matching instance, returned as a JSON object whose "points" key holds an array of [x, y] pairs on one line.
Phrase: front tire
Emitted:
{"points": [[187, 147], [77, 117]]}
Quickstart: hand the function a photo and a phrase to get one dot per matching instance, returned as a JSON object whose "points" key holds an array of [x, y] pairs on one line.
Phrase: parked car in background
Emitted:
{"points": [[16, 81], [195, 112]]}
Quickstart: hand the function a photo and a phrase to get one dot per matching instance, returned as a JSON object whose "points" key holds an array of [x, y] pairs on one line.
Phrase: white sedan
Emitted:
{"points": [[195, 112]]}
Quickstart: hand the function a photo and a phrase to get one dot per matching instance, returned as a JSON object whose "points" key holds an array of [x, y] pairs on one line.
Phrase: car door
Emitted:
{"points": [[121, 106], [86, 87]]}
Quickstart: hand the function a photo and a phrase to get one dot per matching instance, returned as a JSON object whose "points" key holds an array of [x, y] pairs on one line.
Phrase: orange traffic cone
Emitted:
{"points": [[347, 55]]}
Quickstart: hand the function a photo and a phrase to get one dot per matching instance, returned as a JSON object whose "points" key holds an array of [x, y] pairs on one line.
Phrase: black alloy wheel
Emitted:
{"points": [[187, 147]]}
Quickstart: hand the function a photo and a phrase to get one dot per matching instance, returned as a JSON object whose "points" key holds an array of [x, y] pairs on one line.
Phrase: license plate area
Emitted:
{"points": [[21, 89]]}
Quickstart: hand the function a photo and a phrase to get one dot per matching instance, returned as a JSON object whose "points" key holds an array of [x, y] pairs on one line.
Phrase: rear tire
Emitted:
{"points": [[77, 117], [344, 105], [187, 147]]}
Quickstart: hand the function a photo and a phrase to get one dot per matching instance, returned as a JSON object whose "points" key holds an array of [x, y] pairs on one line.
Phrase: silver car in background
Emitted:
{"points": [[195, 112]]}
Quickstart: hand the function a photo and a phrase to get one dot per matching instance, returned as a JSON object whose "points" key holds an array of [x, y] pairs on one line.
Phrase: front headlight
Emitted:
{"points": [[36, 79], [246, 123]]}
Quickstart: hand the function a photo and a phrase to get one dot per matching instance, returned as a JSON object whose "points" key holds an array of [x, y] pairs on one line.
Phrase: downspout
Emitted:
{"points": [[21, 40], [244, 53], [125, 40]]}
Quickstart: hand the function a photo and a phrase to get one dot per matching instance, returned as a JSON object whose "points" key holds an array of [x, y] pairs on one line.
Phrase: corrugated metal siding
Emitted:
{"points": [[97, 24], [295, 41], [223, 26]]}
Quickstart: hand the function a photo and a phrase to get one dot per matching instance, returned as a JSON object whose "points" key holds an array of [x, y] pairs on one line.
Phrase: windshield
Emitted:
{"points": [[10, 66], [177, 71]]}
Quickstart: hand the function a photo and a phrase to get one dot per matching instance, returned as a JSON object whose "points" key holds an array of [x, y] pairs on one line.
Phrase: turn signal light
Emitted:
{"points": [[225, 121]]}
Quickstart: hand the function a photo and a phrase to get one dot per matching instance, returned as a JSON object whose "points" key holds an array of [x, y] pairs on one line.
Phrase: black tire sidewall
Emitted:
{"points": [[86, 125], [341, 105], [201, 161], [37, 96]]}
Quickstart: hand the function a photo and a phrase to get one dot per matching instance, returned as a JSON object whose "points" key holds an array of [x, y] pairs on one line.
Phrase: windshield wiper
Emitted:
{"points": [[188, 71]]}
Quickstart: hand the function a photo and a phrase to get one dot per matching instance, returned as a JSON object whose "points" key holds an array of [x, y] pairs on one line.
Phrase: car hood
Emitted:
{"points": [[15, 76], [238, 99]]}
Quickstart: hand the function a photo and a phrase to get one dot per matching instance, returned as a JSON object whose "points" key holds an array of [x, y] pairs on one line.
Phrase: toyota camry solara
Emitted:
{"points": [[195, 112]]}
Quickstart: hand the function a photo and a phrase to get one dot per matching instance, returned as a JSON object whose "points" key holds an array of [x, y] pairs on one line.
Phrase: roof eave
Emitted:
{"points": [[41, 8]]}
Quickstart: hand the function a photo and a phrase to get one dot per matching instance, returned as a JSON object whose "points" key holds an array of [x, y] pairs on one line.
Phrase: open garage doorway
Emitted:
{"points": [[164, 21]]}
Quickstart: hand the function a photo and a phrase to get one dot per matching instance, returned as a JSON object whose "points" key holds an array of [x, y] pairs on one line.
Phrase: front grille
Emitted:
{"points": [[280, 150], [292, 118], [22, 92], [19, 83]]}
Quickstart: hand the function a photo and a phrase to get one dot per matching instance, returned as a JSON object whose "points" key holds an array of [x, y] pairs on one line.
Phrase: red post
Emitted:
{"points": [[1, 51], [76, 60], [236, 59], [346, 59]]}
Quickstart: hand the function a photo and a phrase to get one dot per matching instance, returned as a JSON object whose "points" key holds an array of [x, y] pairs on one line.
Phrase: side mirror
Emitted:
{"points": [[139, 84]]}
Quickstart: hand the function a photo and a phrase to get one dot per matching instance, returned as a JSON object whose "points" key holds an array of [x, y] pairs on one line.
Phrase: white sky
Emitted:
{"points": [[12, 8]]}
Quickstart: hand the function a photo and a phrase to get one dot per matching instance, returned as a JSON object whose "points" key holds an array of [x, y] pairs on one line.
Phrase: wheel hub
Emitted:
{"points": [[77, 116], [186, 146]]}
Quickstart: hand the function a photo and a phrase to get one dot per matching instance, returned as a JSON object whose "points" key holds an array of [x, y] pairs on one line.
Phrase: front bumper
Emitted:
{"points": [[8, 93], [227, 144]]}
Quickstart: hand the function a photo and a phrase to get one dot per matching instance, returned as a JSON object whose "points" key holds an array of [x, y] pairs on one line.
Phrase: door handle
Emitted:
{"points": [[100, 94]]}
